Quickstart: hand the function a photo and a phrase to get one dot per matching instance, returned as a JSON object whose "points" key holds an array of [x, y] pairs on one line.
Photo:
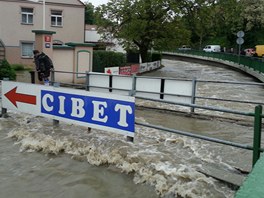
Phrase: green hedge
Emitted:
{"points": [[156, 56], [6, 71], [18, 67], [102, 59]]}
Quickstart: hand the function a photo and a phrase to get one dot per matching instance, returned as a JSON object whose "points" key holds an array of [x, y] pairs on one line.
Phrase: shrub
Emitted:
{"points": [[156, 56], [6, 71], [102, 59], [18, 67]]}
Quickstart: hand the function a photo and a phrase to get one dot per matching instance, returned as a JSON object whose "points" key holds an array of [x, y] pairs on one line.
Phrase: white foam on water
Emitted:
{"points": [[142, 159]]}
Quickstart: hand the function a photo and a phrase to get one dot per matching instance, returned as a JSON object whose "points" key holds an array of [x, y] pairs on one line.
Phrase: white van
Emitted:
{"points": [[212, 48]]}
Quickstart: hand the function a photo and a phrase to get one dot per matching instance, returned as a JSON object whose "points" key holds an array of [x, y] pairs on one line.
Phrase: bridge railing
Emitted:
{"points": [[255, 63], [163, 90], [184, 91]]}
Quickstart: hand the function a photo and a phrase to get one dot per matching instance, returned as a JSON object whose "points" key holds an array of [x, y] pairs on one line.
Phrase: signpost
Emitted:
{"points": [[91, 109], [240, 41]]}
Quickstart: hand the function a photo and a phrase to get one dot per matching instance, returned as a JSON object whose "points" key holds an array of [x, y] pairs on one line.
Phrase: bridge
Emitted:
{"points": [[110, 84], [253, 66], [253, 185]]}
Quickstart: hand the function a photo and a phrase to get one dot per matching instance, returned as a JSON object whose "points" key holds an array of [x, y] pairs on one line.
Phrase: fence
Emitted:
{"points": [[178, 92], [255, 63], [133, 69]]}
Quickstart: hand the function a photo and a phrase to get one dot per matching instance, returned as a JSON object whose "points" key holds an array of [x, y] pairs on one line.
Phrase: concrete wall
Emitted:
{"points": [[76, 59], [63, 61]]}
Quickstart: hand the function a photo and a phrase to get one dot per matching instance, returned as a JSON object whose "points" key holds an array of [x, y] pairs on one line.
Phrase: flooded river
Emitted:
{"points": [[42, 160]]}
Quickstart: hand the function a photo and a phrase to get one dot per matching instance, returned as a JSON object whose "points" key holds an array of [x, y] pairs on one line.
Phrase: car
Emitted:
{"points": [[184, 47], [212, 48], [249, 52]]}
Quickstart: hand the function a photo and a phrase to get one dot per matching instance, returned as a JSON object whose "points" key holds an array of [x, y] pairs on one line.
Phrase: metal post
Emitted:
{"points": [[110, 83], [56, 122], [87, 81], [239, 49], [133, 89], [32, 75], [52, 77], [130, 139], [3, 113], [4, 110], [194, 83], [162, 87], [257, 134], [132, 93]]}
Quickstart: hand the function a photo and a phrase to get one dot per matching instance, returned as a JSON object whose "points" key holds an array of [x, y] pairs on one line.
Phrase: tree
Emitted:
{"points": [[89, 13], [253, 15], [6, 70], [214, 21], [197, 16], [228, 20], [142, 24]]}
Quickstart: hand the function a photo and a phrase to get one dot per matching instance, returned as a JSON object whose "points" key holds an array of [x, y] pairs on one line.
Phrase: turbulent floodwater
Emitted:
{"points": [[42, 160]]}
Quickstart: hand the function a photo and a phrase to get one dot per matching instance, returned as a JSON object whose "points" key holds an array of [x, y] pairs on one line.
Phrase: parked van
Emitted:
{"points": [[212, 48], [260, 50], [184, 47]]}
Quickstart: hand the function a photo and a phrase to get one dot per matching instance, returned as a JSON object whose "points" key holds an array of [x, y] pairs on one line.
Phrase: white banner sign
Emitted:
{"points": [[92, 109]]}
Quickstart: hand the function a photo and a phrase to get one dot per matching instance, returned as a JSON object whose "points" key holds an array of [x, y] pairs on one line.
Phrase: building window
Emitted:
{"points": [[27, 15], [27, 49], [56, 18]]}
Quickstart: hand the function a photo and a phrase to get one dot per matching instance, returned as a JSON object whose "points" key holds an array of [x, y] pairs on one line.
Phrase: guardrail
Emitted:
{"points": [[178, 92], [255, 63], [160, 90], [169, 89]]}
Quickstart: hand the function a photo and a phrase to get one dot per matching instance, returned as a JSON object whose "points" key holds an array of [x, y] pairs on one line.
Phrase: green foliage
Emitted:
{"points": [[166, 24], [253, 14], [6, 71], [102, 59], [18, 67], [89, 13], [216, 41], [142, 24], [156, 56]]}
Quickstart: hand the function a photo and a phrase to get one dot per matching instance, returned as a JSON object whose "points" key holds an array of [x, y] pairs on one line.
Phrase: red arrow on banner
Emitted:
{"points": [[15, 97]]}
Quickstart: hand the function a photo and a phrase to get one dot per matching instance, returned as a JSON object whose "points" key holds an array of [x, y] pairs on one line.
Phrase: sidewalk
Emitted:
{"points": [[253, 185]]}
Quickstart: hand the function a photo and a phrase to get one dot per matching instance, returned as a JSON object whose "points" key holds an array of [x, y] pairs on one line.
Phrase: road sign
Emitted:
{"points": [[240, 41], [95, 110], [240, 34]]}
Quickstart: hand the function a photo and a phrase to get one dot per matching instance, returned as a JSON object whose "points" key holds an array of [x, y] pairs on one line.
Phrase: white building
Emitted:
{"points": [[92, 36], [19, 17]]}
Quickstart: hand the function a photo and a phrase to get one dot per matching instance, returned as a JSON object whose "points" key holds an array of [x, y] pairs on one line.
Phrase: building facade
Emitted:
{"points": [[92, 36], [18, 18]]}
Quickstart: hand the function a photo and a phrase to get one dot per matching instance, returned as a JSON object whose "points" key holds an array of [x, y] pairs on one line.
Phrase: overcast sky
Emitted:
{"points": [[96, 2]]}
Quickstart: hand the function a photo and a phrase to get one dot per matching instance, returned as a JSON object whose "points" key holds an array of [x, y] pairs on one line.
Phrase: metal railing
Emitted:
{"points": [[255, 63], [132, 91], [256, 114]]}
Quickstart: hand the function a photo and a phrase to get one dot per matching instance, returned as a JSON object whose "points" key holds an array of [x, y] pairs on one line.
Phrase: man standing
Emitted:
{"points": [[43, 66]]}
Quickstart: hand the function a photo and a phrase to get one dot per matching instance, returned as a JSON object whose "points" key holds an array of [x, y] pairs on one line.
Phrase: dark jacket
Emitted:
{"points": [[43, 65]]}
